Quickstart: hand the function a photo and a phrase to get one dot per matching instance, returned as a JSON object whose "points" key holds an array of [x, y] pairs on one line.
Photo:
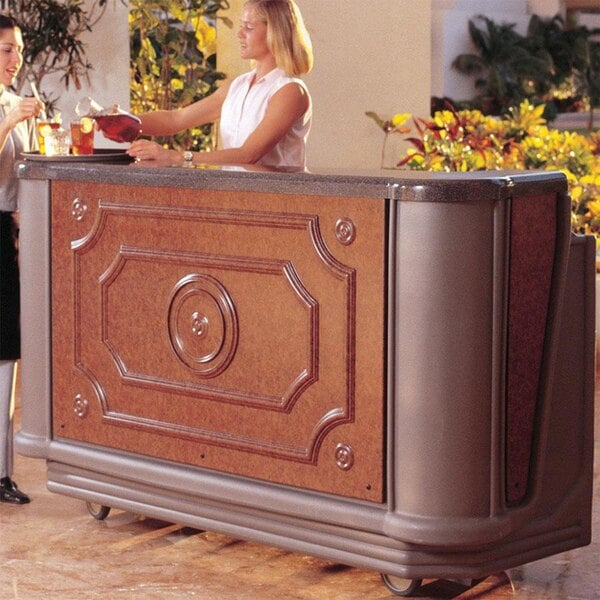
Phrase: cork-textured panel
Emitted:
{"points": [[236, 331], [532, 251]]}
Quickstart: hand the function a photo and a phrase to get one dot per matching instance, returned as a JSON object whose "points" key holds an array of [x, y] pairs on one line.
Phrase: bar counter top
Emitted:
{"points": [[397, 184]]}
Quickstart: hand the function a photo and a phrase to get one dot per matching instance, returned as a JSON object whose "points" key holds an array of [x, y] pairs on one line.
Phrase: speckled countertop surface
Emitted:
{"points": [[401, 185]]}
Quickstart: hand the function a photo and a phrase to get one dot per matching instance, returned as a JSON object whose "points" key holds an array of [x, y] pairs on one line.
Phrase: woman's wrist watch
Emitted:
{"points": [[188, 158]]}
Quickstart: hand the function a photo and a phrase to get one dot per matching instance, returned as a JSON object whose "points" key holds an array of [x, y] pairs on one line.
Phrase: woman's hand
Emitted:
{"points": [[143, 150], [27, 108]]}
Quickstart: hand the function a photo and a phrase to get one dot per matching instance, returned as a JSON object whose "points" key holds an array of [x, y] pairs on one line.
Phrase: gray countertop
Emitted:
{"points": [[397, 184]]}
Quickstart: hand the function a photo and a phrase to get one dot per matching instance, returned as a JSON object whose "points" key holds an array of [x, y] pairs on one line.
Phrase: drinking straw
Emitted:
{"points": [[36, 95]]}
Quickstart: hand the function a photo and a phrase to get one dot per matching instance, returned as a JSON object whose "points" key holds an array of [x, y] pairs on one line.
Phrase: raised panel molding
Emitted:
{"points": [[216, 326], [227, 343]]}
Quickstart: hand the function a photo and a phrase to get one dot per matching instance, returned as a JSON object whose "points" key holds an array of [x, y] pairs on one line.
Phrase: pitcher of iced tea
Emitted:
{"points": [[116, 124]]}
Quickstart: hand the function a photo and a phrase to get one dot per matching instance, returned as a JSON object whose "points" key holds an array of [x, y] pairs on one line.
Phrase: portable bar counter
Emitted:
{"points": [[391, 371]]}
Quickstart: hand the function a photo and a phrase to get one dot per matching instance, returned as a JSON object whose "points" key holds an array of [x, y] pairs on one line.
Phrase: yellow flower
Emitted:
{"points": [[594, 207], [527, 116], [443, 118], [176, 84], [206, 37], [399, 119]]}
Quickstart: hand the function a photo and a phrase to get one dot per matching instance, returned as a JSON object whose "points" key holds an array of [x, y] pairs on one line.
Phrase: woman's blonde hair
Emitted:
{"points": [[287, 37]]}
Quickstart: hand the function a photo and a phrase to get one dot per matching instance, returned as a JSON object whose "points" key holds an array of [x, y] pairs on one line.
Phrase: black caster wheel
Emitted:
{"points": [[400, 586], [97, 511]]}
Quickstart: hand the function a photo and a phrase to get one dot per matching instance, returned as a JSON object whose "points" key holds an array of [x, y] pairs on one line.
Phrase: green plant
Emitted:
{"points": [[506, 70], [173, 59], [552, 64], [52, 34], [575, 57], [548, 37]]}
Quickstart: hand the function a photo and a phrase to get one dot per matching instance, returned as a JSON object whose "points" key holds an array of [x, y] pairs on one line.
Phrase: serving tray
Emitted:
{"points": [[103, 155]]}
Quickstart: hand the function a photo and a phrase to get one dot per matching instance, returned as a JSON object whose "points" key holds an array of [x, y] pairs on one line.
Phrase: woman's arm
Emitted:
{"points": [[168, 122], [285, 108]]}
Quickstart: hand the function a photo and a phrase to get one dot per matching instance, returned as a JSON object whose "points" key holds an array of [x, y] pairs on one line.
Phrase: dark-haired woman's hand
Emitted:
{"points": [[27, 108]]}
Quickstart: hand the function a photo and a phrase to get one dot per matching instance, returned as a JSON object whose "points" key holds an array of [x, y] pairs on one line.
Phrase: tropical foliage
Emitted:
{"points": [[173, 59], [52, 32], [504, 68], [468, 140], [552, 64]]}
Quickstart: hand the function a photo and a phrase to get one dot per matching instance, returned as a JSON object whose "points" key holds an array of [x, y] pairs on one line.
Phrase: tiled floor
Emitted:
{"points": [[53, 549]]}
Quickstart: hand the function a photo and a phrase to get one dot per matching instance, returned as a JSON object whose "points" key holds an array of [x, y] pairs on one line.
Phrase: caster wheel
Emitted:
{"points": [[97, 511], [400, 586]]}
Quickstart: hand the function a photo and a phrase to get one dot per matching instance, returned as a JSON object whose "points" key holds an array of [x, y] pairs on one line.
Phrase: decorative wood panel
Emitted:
{"points": [[235, 331]]}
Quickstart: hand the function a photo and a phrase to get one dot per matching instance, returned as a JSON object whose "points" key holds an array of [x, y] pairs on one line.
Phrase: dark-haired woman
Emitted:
{"points": [[17, 134]]}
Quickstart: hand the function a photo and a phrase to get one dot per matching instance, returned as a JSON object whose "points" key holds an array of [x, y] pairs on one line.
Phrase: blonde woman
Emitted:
{"points": [[265, 114]]}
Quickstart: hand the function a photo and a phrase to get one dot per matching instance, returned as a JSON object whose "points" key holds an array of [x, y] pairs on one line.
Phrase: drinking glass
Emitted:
{"points": [[43, 129], [82, 136], [57, 143]]}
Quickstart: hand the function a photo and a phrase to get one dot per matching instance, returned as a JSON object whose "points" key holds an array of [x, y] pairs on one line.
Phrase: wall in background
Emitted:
{"points": [[107, 48]]}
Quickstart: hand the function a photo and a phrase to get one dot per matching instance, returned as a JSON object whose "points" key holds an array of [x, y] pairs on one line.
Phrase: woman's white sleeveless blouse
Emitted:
{"points": [[244, 108]]}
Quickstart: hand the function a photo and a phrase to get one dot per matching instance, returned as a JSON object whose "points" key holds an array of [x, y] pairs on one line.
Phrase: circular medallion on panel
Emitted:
{"points": [[203, 326]]}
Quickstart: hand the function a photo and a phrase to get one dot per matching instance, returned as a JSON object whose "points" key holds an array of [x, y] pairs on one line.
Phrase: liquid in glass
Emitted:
{"points": [[82, 136]]}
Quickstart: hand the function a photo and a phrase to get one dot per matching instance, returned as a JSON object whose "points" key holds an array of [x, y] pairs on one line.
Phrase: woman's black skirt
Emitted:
{"points": [[10, 335]]}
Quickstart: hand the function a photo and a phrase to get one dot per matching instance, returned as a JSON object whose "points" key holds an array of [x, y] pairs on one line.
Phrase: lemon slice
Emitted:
{"points": [[45, 130], [87, 124]]}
